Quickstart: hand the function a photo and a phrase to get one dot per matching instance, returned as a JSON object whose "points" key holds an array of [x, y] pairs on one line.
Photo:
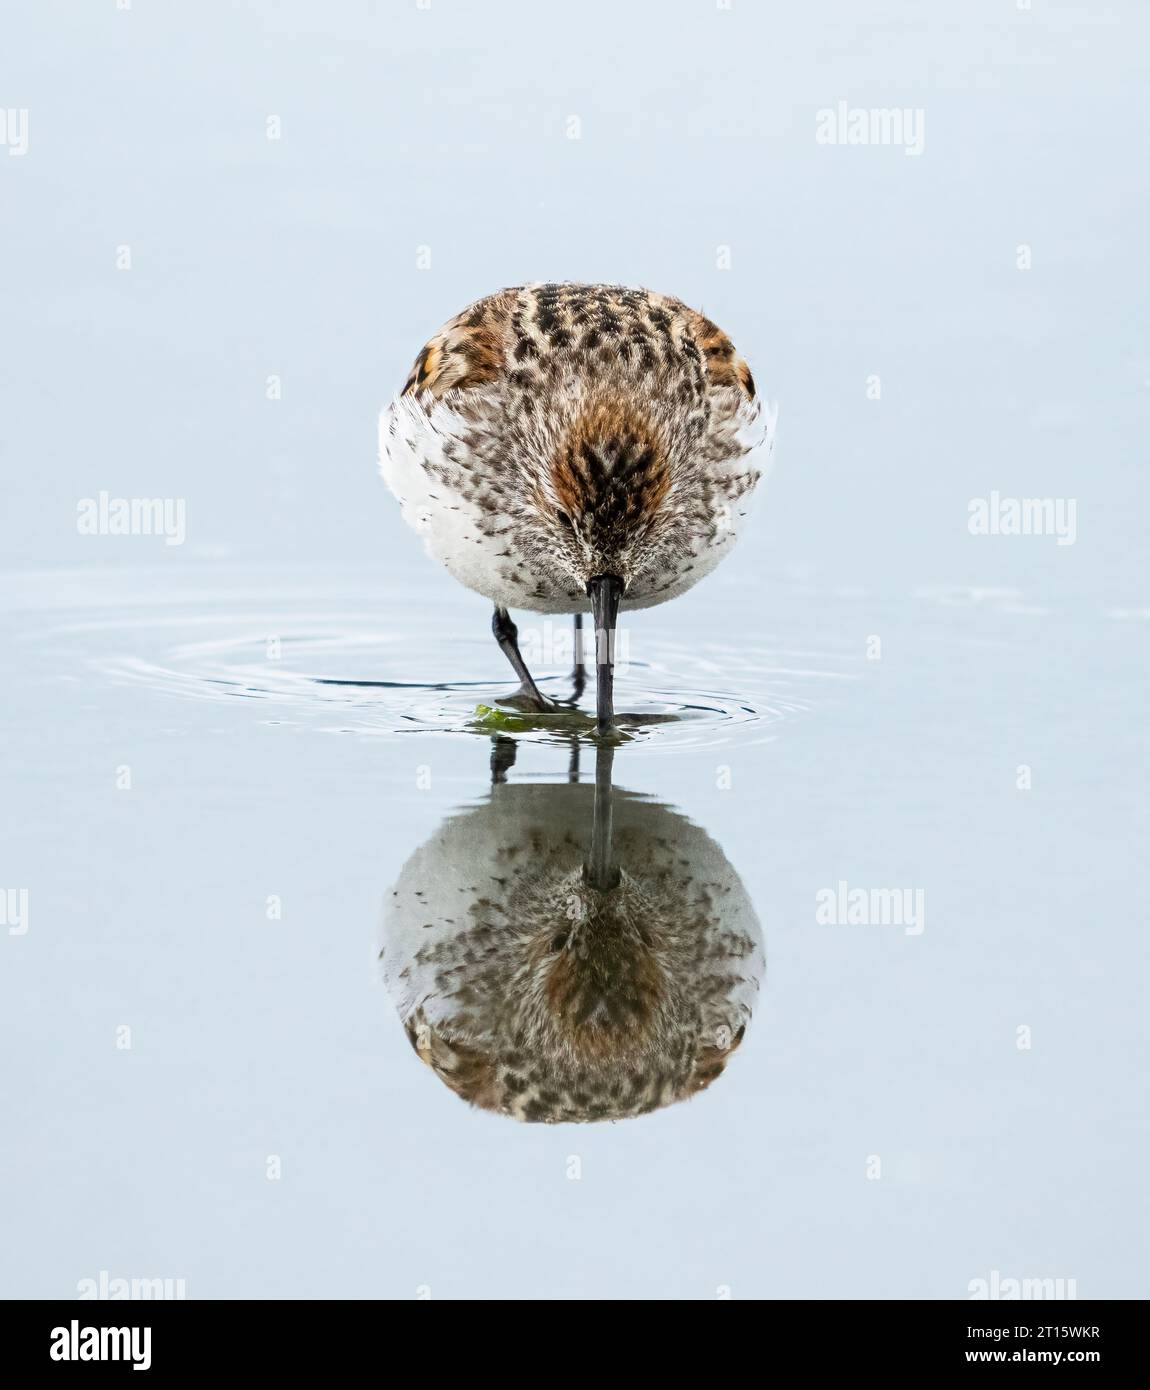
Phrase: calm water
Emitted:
{"points": [[232, 766], [183, 750]]}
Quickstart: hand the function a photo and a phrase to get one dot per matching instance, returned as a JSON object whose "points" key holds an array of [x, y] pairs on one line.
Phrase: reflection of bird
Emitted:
{"points": [[551, 979], [572, 447]]}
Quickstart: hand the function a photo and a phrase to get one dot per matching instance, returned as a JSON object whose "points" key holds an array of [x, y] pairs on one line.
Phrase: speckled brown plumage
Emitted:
{"points": [[549, 433]]}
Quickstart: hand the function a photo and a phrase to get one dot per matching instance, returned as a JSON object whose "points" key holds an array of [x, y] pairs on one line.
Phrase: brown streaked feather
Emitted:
{"points": [[724, 367], [584, 429], [497, 335], [610, 468], [468, 351], [469, 1073]]}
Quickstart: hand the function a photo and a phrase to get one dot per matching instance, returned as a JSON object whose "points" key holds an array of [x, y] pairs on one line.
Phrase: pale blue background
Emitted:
{"points": [[446, 128]]}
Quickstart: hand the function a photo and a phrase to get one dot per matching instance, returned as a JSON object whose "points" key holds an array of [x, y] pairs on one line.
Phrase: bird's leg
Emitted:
{"points": [[579, 670], [503, 750], [528, 696]]}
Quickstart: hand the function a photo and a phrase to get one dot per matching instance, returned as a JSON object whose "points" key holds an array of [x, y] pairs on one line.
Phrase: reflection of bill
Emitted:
{"points": [[572, 952]]}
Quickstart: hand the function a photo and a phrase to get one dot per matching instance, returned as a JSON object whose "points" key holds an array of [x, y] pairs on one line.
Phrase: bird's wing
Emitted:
{"points": [[742, 433], [468, 351]]}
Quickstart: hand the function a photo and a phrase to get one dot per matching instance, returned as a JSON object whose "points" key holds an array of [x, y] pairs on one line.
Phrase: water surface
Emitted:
{"points": [[215, 778]]}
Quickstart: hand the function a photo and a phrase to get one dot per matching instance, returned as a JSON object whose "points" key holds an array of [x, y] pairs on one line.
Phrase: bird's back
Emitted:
{"points": [[529, 336]]}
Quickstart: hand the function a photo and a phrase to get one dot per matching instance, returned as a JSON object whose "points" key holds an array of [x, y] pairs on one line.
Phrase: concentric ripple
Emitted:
{"points": [[337, 668]]}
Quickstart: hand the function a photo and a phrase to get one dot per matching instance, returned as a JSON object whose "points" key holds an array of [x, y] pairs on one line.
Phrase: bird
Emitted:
{"points": [[552, 975], [576, 448]]}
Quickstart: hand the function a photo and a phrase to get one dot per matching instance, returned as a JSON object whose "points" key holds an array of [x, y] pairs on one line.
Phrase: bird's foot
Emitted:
{"points": [[531, 700]]}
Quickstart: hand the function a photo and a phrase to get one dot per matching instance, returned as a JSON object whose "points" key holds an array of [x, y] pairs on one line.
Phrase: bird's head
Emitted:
{"points": [[603, 493]]}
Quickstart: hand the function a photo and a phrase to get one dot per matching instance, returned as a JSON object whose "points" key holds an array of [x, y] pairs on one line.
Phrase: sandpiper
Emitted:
{"points": [[569, 448], [568, 952]]}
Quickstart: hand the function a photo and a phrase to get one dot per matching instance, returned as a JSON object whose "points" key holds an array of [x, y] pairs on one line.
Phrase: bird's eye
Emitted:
{"points": [[558, 941], [563, 518]]}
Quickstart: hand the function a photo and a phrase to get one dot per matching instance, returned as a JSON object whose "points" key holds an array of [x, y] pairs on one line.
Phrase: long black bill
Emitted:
{"points": [[605, 591]]}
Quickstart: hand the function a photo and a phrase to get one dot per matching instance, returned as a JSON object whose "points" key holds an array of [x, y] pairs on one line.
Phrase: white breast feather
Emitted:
{"points": [[411, 442]]}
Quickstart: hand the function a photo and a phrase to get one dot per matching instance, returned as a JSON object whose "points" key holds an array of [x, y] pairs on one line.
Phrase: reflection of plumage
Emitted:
{"points": [[533, 992]]}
